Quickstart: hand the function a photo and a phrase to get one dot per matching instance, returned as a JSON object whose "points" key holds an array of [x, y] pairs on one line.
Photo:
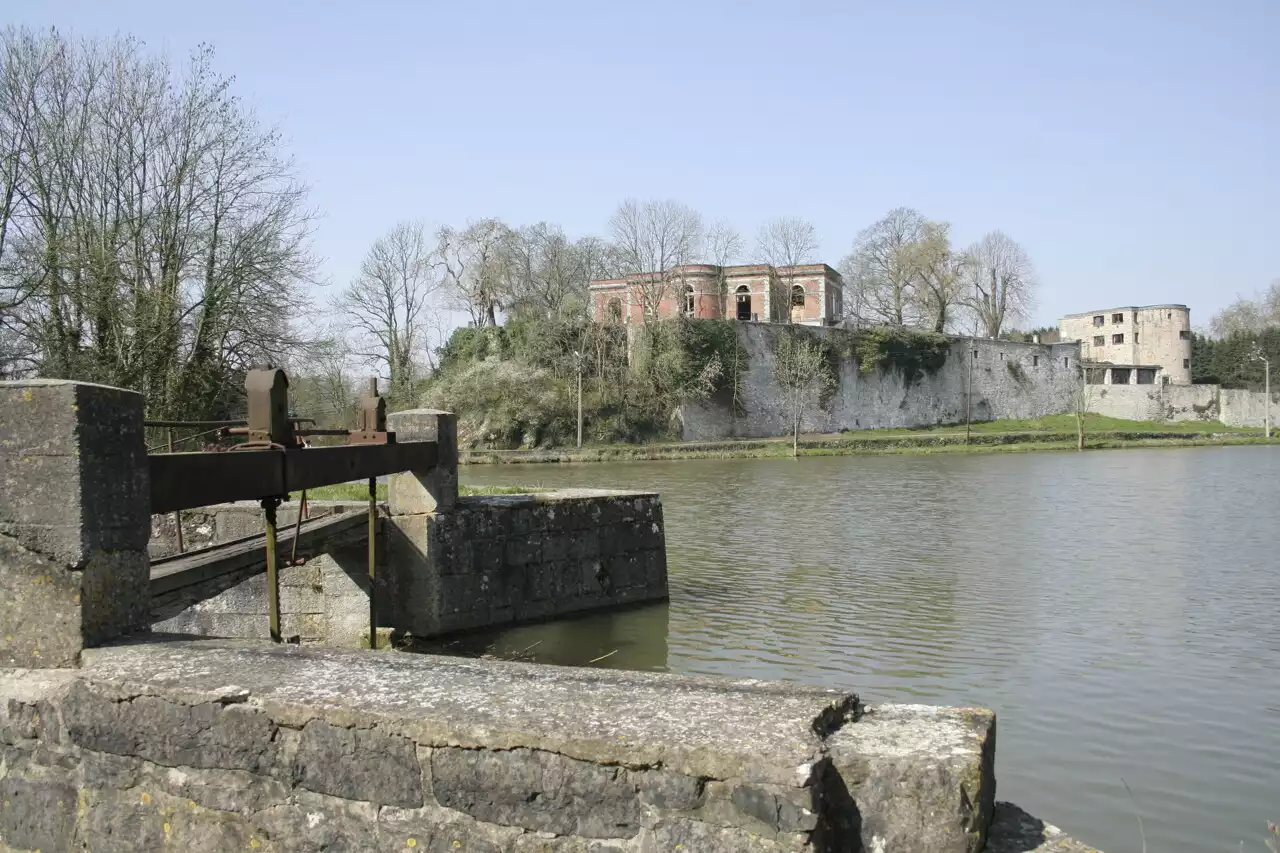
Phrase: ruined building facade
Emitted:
{"points": [[1133, 345], [812, 294]]}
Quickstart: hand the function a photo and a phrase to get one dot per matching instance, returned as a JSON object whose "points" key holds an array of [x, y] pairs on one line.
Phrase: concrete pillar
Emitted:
{"points": [[414, 492], [74, 520]]}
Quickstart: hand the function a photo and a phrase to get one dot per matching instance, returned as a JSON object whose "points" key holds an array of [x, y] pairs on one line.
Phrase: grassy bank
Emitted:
{"points": [[1051, 433]]}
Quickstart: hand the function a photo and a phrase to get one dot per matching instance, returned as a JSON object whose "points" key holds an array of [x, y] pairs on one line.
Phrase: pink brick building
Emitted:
{"points": [[811, 294]]}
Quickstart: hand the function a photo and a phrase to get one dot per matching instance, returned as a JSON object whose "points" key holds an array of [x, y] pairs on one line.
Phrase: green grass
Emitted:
{"points": [[1066, 423], [360, 491]]}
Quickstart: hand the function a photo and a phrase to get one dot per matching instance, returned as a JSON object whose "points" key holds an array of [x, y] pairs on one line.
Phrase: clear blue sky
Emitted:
{"points": [[1132, 147]]}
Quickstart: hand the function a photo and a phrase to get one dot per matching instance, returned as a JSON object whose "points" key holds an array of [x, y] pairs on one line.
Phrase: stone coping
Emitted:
{"points": [[553, 496], [745, 729]]}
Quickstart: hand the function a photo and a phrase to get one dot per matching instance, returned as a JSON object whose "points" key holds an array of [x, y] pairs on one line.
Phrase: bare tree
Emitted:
{"points": [[1249, 315], [654, 238], [939, 274], [881, 271], [547, 273], [1002, 280], [801, 367], [723, 244], [389, 304], [785, 243], [152, 233], [475, 264], [1080, 397]]}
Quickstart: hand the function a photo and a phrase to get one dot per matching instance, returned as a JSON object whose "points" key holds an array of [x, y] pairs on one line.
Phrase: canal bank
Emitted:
{"points": [[1041, 434]]}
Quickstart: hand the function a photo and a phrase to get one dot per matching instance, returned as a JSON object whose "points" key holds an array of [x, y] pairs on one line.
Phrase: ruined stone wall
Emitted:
{"points": [[1174, 403], [1009, 380], [512, 558]]}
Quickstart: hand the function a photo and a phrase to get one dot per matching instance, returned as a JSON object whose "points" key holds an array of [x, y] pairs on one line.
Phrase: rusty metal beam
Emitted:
{"points": [[189, 480]]}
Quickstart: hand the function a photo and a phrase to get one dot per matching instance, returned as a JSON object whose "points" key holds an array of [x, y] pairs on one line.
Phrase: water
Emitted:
{"points": [[1119, 610]]}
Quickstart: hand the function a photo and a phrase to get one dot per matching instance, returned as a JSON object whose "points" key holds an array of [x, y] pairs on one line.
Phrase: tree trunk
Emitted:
{"points": [[1079, 431]]}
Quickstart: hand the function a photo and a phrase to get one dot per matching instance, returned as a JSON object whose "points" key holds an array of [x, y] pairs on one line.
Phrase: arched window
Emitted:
{"points": [[688, 299], [743, 297], [797, 296], [615, 310]]}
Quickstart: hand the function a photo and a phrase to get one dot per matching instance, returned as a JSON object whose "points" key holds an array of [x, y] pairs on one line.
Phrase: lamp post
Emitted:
{"points": [[1266, 396], [577, 355]]}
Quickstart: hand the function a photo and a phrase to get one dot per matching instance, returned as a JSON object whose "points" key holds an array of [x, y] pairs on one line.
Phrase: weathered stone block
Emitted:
{"points": [[414, 492], [920, 777], [359, 764], [307, 823], [172, 734], [74, 520], [36, 815], [694, 835], [537, 790], [437, 830]]}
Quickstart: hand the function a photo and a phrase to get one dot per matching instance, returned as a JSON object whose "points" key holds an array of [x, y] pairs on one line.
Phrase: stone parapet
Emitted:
{"points": [[216, 746]]}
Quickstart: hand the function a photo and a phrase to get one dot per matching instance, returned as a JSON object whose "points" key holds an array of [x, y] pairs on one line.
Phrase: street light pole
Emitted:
{"points": [[1266, 403], [578, 358]]}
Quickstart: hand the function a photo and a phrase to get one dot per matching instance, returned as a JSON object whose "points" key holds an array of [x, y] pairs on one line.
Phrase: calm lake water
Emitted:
{"points": [[1118, 609]]}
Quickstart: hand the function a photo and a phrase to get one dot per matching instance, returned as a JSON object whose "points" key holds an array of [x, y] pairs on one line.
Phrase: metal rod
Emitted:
{"points": [[177, 515], [373, 556], [297, 526], [273, 575], [192, 423], [968, 393]]}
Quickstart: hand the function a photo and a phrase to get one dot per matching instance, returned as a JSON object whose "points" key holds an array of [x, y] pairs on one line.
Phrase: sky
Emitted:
{"points": [[1130, 147]]}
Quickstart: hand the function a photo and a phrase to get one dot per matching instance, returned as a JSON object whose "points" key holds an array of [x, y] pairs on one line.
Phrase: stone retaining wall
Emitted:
{"points": [[1008, 380], [1174, 403]]}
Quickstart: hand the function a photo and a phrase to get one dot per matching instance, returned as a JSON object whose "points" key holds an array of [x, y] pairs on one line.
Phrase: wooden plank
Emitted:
{"points": [[190, 569]]}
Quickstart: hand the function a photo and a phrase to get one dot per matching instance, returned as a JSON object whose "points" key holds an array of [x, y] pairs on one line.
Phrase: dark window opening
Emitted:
{"points": [[1186, 363], [688, 299], [744, 302], [1099, 340], [1066, 362], [615, 310], [1099, 320], [1135, 337], [1185, 334], [1117, 339], [1035, 361], [797, 296], [1095, 375], [1146, 376], [1117, 318], [1120, 376], [975, 354]]}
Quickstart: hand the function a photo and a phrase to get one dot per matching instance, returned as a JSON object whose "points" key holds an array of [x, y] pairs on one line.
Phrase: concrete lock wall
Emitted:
{"points": [[488, 561], [1173, 403], [1009, 380]]}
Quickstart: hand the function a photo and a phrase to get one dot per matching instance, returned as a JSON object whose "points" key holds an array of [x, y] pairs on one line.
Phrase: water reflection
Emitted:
{"points": [[1117, 609]]}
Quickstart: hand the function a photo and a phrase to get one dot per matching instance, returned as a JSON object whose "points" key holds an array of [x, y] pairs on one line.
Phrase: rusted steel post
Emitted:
{"points": [[373, 556], [273, 575], [177, 516]]}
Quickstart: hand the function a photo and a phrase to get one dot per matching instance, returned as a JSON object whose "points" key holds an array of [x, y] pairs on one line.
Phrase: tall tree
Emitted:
{"points": [[477, 275], [1002, 283], [939, 272], [654, 238], [881, 272], [389, 305], [153, 234], [785, 243], [547, 273]]}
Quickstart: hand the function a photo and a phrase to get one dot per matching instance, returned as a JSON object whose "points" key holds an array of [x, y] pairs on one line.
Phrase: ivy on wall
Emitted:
{"points": [[911, 352]]}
